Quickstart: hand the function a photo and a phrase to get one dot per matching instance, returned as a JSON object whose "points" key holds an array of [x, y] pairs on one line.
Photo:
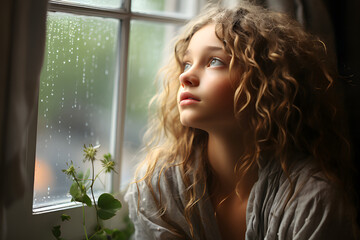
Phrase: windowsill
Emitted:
{"points": [[54, 208]]}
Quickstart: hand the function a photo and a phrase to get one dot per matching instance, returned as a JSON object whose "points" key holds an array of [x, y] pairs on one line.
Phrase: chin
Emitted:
{"points": [[191, 123]]}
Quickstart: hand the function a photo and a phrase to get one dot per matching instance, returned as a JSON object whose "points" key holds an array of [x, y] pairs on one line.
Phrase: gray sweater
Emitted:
{"points": [[316, 210]]}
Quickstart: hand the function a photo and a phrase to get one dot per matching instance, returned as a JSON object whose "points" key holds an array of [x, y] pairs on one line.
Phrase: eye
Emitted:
{"points": [[187, 66], [215, 62]]}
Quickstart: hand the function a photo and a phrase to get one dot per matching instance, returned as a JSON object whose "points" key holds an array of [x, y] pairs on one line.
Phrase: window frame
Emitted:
{"points": [[38, 225], [125, 15]]}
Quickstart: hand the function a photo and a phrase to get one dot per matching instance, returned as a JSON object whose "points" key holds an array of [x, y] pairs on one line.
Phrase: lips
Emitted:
{"points": [[187, 98]]}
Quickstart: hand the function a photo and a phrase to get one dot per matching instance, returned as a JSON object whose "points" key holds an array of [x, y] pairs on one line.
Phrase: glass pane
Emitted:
{"points": [[145, 59], [183, 8], [96, 3], [77, 100]]}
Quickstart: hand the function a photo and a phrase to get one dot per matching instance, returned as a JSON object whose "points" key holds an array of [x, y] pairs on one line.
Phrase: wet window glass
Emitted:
{"points": [[181, 8], [77, 100]]}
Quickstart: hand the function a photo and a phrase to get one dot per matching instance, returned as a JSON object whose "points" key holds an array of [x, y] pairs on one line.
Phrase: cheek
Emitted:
{"points": [[223, 93]]}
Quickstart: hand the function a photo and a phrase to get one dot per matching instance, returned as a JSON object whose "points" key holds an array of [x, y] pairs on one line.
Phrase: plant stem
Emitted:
{"points": [[97, 175], [84, 226], [92, 192]]}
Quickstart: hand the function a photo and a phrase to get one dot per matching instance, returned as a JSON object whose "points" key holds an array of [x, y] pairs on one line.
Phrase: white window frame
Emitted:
{"points": [[21, 222]]}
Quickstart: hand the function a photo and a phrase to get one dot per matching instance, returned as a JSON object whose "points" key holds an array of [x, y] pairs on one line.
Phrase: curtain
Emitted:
{"points": [[22, 40]]}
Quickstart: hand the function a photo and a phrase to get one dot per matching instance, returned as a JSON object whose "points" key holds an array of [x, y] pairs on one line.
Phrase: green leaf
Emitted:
{"points": [[56, 231], [106, 214], [108, 206], [65, 217], [100, 236], [109, 231], [107, 201], [80, 176], [86, 199], [75, 190], [78, 194], [118, 235]]}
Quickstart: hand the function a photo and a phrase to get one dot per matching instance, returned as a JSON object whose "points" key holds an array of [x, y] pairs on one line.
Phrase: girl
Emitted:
{"points": [[247, 142]]}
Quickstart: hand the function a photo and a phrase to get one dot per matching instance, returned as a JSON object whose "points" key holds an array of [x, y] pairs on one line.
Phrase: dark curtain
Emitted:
{"points": [[22, 41]]}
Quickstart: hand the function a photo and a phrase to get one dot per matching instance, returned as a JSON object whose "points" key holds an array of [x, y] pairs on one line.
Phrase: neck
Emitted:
{"points": [[224, 151]]}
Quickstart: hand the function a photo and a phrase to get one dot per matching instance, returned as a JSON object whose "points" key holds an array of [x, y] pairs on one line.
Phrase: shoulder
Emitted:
{"points": [[153, 200], [307, 205], [153, 185]]}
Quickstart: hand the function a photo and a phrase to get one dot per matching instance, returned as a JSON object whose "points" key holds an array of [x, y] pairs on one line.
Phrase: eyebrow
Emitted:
{"points": [[207, 48]]}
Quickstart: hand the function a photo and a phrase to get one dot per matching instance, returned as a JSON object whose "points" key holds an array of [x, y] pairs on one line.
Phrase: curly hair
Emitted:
{"points": [[286, 97]]}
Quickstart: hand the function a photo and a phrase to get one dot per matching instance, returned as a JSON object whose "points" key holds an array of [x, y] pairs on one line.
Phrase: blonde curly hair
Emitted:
{"points": [[285, 96]]}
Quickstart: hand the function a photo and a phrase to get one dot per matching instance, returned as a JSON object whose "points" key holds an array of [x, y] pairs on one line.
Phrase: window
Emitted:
{"points": [[98, 76]]}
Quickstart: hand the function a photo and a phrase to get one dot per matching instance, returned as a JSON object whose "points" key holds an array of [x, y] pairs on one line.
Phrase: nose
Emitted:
{"points": [[189, 78]]}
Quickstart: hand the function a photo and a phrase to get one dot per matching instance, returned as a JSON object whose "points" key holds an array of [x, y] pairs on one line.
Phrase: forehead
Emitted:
{"points": [[204, 37]]}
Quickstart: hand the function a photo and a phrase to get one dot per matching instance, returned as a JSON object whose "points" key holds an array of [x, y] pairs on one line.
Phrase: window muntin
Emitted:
{"points": [[110, 4], [77, 100]]}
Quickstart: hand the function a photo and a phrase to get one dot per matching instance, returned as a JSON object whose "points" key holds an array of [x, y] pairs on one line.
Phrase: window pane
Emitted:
{"points": [[77, 101], [184, 8], [145, 59], [95, 3]]}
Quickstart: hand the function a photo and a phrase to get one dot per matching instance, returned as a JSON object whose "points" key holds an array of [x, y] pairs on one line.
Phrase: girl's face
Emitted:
{"points": [[205, 97]]}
